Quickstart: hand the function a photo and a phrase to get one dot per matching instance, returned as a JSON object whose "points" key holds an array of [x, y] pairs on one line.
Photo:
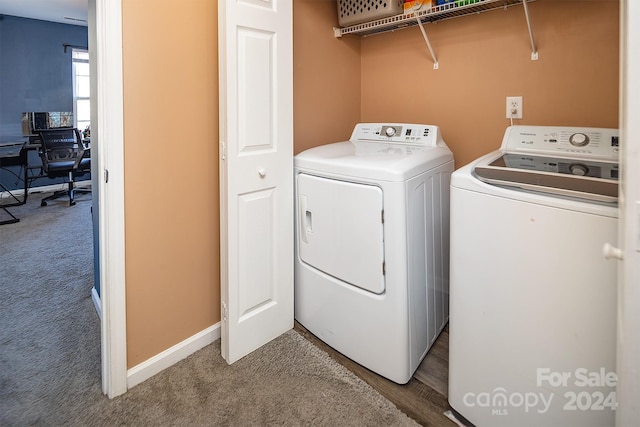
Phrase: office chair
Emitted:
{"points": [[63, 154]]}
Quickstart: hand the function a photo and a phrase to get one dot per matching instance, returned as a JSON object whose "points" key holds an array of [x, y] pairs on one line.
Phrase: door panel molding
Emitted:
{"points": [[256, 173]]}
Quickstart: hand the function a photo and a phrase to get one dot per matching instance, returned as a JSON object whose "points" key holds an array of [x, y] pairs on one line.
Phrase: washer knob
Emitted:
{"points": [[579, 139], [390, 131], [578, 169]]}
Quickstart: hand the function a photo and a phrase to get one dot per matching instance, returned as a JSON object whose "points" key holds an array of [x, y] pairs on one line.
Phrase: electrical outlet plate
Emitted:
{"points": [[514, 107]]}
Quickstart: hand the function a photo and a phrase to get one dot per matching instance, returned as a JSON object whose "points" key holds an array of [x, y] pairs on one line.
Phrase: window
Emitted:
{"points": [[81, 89]]}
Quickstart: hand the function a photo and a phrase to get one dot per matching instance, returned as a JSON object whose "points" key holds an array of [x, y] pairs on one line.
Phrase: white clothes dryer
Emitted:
{"points": [[532, 332], [372, 244]]}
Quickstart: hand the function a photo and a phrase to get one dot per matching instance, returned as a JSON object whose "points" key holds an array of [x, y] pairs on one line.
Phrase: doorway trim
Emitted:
{"points": [[110, 158]]}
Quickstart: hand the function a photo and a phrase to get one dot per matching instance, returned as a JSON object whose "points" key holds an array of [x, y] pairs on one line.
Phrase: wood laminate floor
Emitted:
{"points": [[424, 397]]}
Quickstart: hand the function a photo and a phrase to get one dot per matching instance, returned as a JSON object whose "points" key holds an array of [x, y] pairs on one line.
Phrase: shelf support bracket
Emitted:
{"points": [[534, 49], [426, 39]]}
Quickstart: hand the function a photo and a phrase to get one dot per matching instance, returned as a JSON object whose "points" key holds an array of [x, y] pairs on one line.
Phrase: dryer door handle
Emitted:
{"points": [[306, 223]]}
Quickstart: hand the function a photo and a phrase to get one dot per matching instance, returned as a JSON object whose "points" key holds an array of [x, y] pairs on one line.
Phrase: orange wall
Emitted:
{"points": [[326, 76], [171, 119], [171, 153], [171, 172], [485, 58]]}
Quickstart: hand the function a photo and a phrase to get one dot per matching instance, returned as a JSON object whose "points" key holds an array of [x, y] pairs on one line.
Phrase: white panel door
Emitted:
{"points": [[256, 168]]}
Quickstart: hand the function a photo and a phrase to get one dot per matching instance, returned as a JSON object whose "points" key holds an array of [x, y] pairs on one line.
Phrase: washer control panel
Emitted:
{"points": [[570, 141], [396, 133]]}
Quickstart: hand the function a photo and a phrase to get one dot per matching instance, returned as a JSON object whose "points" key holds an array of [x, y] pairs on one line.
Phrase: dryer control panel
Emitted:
{"points": [[397, 133]]}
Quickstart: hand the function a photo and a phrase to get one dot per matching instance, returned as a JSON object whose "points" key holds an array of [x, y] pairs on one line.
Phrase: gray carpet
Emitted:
{"points": [[50, 351]]}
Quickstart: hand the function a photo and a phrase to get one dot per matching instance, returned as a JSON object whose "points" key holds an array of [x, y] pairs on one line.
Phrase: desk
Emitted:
{"points": [[14, 154]]}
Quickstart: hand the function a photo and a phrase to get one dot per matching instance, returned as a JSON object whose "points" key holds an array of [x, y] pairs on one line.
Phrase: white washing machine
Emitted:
{"points": [[372, 244], [532, 332]]}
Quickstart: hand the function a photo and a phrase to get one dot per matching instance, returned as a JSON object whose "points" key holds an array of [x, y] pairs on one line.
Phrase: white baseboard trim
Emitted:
{"points": [[171, 356], [96, 301]]}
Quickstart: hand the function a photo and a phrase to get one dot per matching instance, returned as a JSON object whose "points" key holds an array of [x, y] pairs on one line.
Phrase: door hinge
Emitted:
{"points": [[384, 268], [382, 216], [224, 312], [223, 150], [106, 175]]}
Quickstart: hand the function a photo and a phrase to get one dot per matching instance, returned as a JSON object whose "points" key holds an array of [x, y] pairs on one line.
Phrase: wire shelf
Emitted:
{"points": [[433, 14]]}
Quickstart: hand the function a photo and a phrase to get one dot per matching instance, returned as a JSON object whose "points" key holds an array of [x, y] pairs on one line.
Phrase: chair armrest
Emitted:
{"points": [[82, 152]]}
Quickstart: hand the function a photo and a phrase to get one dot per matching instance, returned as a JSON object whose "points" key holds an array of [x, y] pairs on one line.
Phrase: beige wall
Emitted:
{"points": [[171, 172], [484, 58], [171, 155], [326, 76], [171, 119]]}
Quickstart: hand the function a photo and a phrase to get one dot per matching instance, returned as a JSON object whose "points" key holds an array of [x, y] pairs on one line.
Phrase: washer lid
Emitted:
{"points": [[578, 162], [581, 178]]}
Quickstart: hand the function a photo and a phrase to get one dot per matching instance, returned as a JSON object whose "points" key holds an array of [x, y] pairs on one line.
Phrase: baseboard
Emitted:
{"points": [[96, 301], [171, 356]]}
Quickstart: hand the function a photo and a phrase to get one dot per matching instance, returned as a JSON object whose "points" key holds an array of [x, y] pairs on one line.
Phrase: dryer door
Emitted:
{"points": [[340, 230]]}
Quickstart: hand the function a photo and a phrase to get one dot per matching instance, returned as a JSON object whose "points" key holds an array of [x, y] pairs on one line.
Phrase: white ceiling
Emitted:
{"points": [[72, 12]]}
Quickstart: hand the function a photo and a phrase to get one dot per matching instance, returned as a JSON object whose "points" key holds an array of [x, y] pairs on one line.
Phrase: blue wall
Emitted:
{"points": [[35, 74]]}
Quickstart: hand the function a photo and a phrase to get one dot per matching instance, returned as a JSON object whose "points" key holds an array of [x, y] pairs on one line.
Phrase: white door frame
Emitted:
{"points": [[628, 366], [109, 154]]}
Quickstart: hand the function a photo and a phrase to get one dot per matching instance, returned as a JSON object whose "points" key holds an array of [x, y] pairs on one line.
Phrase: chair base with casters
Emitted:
{"points": [[70, 192]]}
